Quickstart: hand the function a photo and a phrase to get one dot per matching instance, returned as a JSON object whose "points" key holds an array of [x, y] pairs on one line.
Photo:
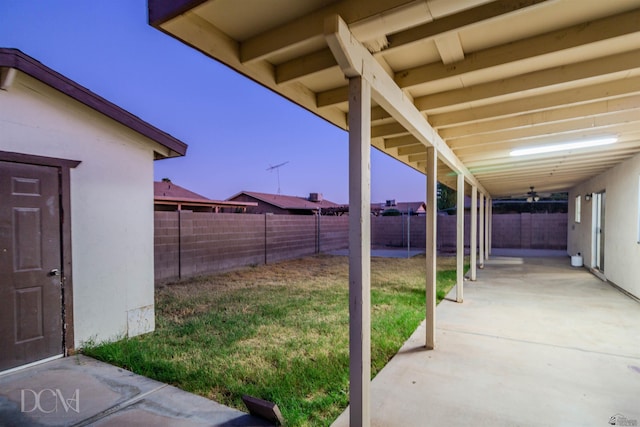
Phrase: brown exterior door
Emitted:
{"points": [[30, 264]]}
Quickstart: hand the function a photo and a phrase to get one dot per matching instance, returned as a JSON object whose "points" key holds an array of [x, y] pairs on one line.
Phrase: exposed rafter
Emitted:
{"points": [[590, 109], [550, 77], [443, 30], [625, 24], [625, 121], [488, 76], [311, 27], [355, 60], [544, 102]]}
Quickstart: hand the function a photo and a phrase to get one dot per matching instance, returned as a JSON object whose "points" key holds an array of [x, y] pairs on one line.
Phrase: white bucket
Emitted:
{"points": [[576, 260]]}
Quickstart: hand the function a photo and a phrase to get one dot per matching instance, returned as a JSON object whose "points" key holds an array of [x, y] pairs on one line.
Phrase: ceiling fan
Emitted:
{"points": [[532, 196]]}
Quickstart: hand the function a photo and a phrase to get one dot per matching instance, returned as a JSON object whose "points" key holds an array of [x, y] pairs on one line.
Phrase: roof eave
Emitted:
{"points": [[16, 59], [161, 11], [202, 201]]}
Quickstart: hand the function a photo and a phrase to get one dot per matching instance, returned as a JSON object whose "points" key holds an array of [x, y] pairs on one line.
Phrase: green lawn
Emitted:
{"points": [[278, 332]]}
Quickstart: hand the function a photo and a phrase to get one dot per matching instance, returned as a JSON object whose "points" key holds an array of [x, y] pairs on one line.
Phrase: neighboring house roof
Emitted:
{"points": [[169, 189], [17, 60], [287, 202], [166, 192], [414, 207]]}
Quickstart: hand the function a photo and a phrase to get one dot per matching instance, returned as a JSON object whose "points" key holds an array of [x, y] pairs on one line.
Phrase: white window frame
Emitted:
{"points": [[578, 208]]}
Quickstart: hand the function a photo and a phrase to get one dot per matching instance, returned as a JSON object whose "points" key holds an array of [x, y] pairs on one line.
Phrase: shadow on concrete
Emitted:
{"points": [[79, 391]]}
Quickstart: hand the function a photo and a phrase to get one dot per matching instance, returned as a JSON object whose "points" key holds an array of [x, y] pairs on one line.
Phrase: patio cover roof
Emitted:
{"points": [[448, 87], [488, 76]]}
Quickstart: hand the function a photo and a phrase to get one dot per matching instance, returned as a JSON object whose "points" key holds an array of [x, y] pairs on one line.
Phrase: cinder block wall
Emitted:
{"points": [[523, 231], [219, 242], [388, 231], [447, 232], [549, 231], [166, 246], [195, 243], [534, 231], [334, 232], [398, 231], [290, 236], [506, 232]]}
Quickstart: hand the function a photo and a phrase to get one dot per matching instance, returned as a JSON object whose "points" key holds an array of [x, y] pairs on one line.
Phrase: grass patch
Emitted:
{"points": [[279, 332]]}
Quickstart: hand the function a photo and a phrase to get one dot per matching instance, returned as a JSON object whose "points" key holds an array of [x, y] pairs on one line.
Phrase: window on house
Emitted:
{"points": [[578, 208], [638, 210]]}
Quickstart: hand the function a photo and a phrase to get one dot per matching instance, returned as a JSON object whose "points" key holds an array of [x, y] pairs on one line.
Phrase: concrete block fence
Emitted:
{"points": [[195, 243]]}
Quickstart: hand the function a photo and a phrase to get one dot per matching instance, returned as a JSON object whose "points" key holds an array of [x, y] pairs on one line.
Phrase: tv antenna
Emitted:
{"points": [[277, 169]]}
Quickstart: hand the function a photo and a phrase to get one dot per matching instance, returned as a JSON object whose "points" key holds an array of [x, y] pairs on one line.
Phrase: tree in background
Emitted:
{"points": [[447, 198]]}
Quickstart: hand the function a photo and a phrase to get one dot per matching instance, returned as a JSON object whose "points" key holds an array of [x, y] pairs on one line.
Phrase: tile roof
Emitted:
{"points": [[166, 192], [287, 202], [169, 189], [415, 207]]}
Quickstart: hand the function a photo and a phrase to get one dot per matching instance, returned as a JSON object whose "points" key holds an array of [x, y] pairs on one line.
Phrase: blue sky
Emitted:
{"points": [[235, 128]]}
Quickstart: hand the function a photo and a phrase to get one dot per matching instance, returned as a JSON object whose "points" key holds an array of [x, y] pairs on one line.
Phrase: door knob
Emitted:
{"points": [[54, 272]]}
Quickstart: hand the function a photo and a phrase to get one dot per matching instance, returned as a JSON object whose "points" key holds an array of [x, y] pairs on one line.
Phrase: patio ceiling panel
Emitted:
{"points": [[489, 76]]}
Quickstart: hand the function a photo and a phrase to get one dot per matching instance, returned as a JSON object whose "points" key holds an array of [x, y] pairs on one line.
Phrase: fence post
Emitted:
{"points": [[525, 230], [409, 233], [179, 245], [318, 230], [265, 238]]}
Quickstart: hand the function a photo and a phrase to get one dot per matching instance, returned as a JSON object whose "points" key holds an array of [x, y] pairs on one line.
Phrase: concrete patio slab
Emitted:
{"points": [[535, 343], [80, 391]]}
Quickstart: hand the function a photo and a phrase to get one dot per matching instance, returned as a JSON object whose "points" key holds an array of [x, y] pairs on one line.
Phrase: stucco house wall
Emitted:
{"points": [[621, 247], [111, 204]]}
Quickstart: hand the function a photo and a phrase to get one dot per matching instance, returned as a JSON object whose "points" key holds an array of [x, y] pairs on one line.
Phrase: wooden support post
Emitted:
{"points": [[432, 211], [359, 251], [460, 238], [487, 221], [473, 241], [481, 233], [490, 226]]}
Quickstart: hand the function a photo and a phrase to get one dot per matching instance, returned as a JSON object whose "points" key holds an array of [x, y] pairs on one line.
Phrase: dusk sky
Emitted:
{"points": [[235, 128]]}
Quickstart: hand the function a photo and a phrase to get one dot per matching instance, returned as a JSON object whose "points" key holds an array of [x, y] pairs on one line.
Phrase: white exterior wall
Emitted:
{"points": [[621, 248], [111, 204]]}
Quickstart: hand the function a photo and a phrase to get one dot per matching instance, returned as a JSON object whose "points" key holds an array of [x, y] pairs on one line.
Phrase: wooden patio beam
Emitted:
{"points": [[356, 60]]}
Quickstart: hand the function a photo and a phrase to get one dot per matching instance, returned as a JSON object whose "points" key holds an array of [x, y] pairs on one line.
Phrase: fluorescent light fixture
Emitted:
{"points": [[587, 143]]}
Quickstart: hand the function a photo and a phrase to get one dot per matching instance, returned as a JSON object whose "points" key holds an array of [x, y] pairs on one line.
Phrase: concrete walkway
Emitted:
{"points": [[535, 343], [80, 391]]}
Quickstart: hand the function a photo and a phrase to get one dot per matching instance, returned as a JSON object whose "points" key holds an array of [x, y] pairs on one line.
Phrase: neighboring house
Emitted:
{"points": [[413, 208], [404, 208], [171, 197], [76, 218], [279, 204]]}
